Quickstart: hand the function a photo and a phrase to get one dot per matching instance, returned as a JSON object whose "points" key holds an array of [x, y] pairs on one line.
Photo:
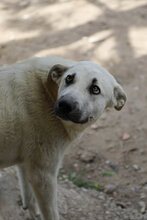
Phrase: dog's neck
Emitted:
{"points": [[74, 130]]}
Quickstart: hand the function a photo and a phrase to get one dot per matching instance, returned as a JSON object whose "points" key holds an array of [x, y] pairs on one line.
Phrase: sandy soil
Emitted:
{"points": [[112, 153]]}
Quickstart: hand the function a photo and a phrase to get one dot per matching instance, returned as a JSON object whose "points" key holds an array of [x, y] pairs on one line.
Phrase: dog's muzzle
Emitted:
{"points": [[67, 109]]}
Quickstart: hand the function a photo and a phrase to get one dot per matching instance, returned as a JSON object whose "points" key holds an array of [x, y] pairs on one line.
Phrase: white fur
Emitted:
{"points": [[31, 136]]}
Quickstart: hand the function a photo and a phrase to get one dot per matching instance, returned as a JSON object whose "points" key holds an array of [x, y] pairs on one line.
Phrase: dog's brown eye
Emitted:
{"points": [[95, 90], [69, 79]]}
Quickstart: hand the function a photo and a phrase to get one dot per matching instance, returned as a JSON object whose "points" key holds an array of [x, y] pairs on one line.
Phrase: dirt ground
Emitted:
{"points": [[112, 155]]}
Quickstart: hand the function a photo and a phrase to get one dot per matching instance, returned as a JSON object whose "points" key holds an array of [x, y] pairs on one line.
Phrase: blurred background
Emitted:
{"points": [[110, 161]]}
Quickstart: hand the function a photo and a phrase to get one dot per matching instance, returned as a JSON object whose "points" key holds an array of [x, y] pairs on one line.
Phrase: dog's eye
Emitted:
{"points": [[95, 90], [69, 79]]}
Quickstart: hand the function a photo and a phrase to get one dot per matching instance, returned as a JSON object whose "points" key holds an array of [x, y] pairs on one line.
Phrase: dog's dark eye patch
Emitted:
{"points": [[94, 81], [93, 88], [70, 79]]}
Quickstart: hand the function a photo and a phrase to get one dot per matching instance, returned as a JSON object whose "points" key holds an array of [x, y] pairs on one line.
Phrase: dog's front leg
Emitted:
{"points": [[26, 193], [27, 196], [44, 184]]}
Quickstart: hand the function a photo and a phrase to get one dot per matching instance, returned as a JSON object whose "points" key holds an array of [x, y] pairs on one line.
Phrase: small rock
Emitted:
{"points": [[143, 206], [79, 153], [134, 188], [114, 167], [115, 194], [107, 162], [101, 197], [135, 167], [139, 129], [94, 126], [121, 204], [142, 151], [125, 137], [110, 188], [126, 193], [128, 203], [88, 166], [133, 149], [75, 165], [88, 157], [97, 39], [26, 16], [142, 196], [85, 190]]}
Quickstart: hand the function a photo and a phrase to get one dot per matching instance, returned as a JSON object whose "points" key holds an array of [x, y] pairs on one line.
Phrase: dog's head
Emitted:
{"points": [[85, 90]]}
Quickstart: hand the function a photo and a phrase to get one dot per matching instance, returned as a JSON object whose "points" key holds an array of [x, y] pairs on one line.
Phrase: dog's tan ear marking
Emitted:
{"points": [[54, 77], [120, 97], [57, 71]]}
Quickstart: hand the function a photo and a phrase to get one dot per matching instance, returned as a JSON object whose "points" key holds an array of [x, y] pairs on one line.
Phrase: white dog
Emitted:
{"points": [[45, 103]]}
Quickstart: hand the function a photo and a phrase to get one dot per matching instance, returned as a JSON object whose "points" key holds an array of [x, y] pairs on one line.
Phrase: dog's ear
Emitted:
{"points": [[119, 97], [54, 77], [57, 71]]}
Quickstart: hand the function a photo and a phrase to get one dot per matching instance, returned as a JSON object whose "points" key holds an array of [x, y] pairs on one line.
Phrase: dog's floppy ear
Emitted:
{"points": [[54, 77], [119, 97], [57, 71]]}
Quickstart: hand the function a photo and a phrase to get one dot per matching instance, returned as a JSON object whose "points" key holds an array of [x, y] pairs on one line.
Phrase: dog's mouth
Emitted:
{"points": [[67, 110], [71, 117]]}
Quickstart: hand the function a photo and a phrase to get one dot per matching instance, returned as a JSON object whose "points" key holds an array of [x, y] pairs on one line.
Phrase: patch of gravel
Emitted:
{"points": [[79, 203], [74, 203]]}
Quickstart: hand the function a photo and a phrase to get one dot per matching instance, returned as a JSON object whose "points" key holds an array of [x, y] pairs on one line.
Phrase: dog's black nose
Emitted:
{"points": [[66, 106], [67, 109]]}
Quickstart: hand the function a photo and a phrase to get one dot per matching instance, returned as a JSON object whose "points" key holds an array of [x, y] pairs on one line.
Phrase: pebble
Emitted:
{"points": [[125, 137], [121, 204], [87, 165], [75, 165], [101, 196], [114, 167], [143, 206], [94, 126], [142, 151], [139, 129], [126, 193], [26, 16], [110, 188], [96, 39], [115, 194], [84, 190], [142, 196], [135, 167], [87, 157]]}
